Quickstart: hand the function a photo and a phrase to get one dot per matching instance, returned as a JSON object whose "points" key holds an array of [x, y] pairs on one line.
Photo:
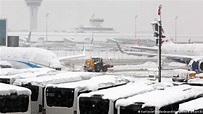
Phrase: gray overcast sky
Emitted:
{"points": [[66, 14]]}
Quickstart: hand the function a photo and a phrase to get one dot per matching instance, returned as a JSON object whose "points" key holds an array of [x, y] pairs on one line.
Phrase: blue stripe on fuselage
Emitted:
{"points": [[29, 64]]}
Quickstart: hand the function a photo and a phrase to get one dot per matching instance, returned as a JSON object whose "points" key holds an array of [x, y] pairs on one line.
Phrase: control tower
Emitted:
{"points": [[33, 6]]}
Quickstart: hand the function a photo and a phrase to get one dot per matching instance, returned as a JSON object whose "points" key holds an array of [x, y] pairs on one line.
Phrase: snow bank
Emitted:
{"points": [[148, 65], [144, 66]]}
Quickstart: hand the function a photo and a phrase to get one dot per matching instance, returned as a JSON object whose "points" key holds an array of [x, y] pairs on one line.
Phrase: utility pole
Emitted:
{"points": [[175, 27], [92, 29], [135, 27], [160, 42], [47, 14]]}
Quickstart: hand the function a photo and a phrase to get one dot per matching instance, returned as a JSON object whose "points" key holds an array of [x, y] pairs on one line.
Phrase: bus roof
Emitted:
{"points": [[93, 83], [192, 105], [8, 71], [161, 98], [6, 89], [28, 74], [122, 91], [12, 71], [62, 77]]}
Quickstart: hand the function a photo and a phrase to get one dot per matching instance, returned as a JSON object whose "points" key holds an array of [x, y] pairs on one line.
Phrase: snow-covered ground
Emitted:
{"points": [[136, 72]]}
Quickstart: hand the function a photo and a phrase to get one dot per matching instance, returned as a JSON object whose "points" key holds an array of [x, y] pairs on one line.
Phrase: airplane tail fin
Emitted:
{"points": [[92, 40], [29, 36], [119, 47], [83, 50], [137, 41]]}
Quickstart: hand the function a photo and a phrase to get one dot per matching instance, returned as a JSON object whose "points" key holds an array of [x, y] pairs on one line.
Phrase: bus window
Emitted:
{"points": [[14, 103], [170, 109], [35, 91], [95, 105], [61, 97], [5, 80], [137, 109], [192, 107]]}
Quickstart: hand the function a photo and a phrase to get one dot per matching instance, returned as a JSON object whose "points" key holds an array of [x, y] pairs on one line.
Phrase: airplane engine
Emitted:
{"points": [[196, 65]]}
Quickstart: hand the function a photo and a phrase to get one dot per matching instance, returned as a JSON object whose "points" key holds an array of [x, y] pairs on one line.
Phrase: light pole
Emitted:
{"points": [[160, 42], [175, 27], [47, 14], [135, 26], [92, 29]]}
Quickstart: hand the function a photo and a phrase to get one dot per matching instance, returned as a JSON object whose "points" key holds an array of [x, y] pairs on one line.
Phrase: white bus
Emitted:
{"points": [[103, 101], [62, 98], [9, 79], [160, 101], [14, 99], [37, 85], [192, 107]]}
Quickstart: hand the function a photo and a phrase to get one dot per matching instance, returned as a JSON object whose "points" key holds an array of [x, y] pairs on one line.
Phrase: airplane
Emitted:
{"points": [[26, 57], [192, 54]]}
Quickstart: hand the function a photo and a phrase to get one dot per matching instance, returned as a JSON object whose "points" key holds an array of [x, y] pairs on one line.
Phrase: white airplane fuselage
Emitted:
{"points": [[183, 49], [24, 57]]}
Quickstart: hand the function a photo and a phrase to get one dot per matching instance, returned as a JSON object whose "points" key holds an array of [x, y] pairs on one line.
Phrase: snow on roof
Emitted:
{"points": [[122, 91], [6, 89], [160, 98], [93, 83], [192, 105], [5, 63], [8, 71], [62, 77], [29, 74], [12, 71]]}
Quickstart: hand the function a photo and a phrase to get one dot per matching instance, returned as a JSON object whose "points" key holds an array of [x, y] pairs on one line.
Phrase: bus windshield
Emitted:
{"points": [[136, 108], [93, 105], [14, 103], [34, 90], [61, 97]]}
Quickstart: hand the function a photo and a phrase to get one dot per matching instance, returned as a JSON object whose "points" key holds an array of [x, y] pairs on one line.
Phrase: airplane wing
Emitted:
{"points": [[146, 48], [69, 40], [73, 56], [135, 53]]}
